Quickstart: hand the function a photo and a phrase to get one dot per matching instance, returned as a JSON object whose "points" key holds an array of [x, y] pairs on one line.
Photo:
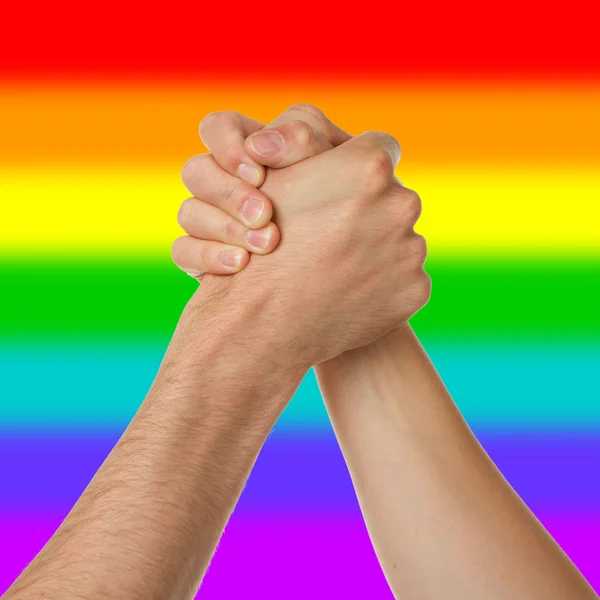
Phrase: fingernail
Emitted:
{"points": [[259, 238], [248, 173], [266, 143], [251, 210], [231, 258]]}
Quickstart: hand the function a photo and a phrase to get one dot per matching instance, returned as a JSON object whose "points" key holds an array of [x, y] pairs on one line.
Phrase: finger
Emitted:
{"points": [[208, 222], [221, 133], [286, 144], [300, 132], [314, 117], [206, 180], [197, 257], [224, 133]]}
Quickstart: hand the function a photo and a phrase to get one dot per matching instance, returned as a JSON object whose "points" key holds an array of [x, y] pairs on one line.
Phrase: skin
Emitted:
{"points": [[443, 520], [149, 521]]}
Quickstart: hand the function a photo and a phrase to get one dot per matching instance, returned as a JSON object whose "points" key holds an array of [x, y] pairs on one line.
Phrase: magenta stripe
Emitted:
{"points": [[295, 558]]}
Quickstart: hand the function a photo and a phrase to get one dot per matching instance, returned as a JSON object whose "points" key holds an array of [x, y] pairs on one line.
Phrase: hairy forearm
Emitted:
{"points": [[149, 521], [443, 520]]}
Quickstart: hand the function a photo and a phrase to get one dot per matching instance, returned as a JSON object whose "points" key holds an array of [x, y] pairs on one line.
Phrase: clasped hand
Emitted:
{"points": [[348, 266]]}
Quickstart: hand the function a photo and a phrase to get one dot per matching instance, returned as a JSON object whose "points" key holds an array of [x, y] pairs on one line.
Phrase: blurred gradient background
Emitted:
{"points": [[497, 108]]}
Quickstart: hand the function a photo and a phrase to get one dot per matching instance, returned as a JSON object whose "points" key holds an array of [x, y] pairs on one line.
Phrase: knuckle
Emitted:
{"points": [[302, 133], [410, 206], [383, 140], [207, 121], [418, 248], [404, 206], [213, 119], [377, 167], [309, 109], [390, 142], [422, 289]]}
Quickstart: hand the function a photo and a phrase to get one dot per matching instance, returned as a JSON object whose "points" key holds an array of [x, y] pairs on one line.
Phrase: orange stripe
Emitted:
{"points": [[447, 124]]}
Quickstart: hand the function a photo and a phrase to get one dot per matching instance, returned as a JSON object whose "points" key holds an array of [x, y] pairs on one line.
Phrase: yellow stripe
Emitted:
{"points": [[468, 209]]}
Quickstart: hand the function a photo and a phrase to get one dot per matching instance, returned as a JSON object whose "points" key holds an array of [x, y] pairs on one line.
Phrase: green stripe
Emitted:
{"points": [[486, 298]]}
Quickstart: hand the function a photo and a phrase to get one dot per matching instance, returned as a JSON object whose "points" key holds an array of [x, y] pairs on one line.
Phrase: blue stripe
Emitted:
{"points": [[100, 387]]}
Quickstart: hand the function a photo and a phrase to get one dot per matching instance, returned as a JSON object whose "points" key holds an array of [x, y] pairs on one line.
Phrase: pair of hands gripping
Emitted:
{"points": [[349, 268]]}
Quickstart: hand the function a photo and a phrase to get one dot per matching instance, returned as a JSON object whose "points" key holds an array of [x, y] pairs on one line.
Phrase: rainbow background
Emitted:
{"points": [[497, 108]]}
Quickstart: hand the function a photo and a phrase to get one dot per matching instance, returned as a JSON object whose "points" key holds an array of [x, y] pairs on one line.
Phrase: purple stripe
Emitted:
{"points": [[303, 474], [295, 558]]}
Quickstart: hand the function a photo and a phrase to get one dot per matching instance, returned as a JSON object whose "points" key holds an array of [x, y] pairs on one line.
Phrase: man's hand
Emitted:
{"points": [[350, 266], [232, 218]]}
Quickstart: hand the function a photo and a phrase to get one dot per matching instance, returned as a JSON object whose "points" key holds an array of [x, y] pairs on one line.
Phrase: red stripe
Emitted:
{"points": [[478, 40]]}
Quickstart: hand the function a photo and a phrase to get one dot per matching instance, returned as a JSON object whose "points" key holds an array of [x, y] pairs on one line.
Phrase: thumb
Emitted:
{"points": [[286, 144]]}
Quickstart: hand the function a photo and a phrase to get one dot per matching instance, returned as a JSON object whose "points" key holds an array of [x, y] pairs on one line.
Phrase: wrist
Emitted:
{"points": [[226, 352], [257, 315], [365, 357]]}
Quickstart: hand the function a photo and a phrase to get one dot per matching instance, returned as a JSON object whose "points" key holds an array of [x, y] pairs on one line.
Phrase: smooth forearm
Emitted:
{"points": [[149, 521], [443, 520]]}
